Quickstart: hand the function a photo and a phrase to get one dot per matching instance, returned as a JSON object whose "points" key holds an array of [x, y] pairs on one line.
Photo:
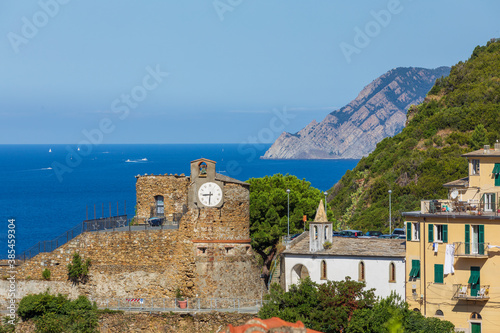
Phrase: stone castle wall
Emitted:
{"points": [[148, 264], [208, 256]]}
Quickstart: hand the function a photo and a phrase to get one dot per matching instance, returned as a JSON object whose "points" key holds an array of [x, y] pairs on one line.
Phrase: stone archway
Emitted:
{"points": [[298, 272]]}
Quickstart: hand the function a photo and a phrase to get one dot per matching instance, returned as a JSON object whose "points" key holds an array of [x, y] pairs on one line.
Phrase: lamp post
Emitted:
{"points": [[325, 201], [288, 212], [390, 217]]}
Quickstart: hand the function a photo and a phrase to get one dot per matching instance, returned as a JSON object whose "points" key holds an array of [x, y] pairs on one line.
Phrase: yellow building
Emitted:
{"points": [[453, 249]]}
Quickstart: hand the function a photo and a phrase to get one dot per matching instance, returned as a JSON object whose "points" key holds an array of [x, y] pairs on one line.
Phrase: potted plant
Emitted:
{"points": [[180, 299]]}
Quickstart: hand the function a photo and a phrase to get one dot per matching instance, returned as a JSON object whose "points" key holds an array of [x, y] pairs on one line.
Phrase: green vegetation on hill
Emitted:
{"points": [[461, 113]]}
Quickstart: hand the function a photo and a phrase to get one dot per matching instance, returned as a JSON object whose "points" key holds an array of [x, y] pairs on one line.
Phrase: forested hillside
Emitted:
{"points": [[461, 113]]}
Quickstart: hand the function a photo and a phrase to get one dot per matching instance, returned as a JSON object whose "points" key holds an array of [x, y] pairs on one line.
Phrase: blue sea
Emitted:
{"points": [[49, 188]]}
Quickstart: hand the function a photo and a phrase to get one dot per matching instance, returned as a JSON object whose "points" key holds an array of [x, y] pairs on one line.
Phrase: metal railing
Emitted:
{"points": [[468, 292], [457, 207], [240, 305], [471, 250], [88, 225]]}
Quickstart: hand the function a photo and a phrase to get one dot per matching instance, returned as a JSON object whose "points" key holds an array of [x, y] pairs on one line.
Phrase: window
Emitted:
{"points": [[392, 272], [160, 206], [361, 276], [315, 232], [475, 167], [439, 313], [474, 239], [438, 273], [489, 202], [323, 270], [496, 173], [474, 280], [326, 233], [438, 233], [416, 231], [415, 269]]}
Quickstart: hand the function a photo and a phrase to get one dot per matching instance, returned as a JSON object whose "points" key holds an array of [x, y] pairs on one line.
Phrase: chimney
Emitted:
{"points": [[486, 149]]}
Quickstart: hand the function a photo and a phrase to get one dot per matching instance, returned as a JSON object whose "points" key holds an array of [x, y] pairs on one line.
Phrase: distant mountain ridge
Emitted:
{"points": [[354, 130]]}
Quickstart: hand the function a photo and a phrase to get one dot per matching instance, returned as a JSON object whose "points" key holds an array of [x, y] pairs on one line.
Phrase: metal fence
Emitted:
{"points": [[108, 223], [240, 305]]}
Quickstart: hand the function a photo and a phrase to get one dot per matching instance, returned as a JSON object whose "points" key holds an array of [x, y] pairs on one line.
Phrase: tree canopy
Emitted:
{"points": [[346, 306], [269, 209]]}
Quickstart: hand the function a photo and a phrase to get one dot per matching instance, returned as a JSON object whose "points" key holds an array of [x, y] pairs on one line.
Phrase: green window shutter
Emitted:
{"points": [[445, 233], [481, 239], [415, 269], [438, 273], [408, 231], [467, 239], [431, 233], [474, 280]]}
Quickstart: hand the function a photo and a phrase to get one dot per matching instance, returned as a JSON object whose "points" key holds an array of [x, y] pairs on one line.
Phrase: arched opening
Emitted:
{"points": [[361, 271], [416, 310], [392, 272], [203, 169], [475, 322], [315, 232], [323, 270], [326, 233], [439, 313], [299, 272], [159, 206]]}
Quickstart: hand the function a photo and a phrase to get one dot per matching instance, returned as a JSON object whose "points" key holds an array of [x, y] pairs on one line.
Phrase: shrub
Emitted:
{"points": [[57, 313], [46, 274], [327, 245], [77, 270]]}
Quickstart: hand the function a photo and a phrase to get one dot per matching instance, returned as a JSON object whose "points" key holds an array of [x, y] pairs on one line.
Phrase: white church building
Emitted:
{"points": [[377, 262]]}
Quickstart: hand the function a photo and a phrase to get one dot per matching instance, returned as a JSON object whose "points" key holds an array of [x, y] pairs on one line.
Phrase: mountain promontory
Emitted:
{"points": [[353, 131]]}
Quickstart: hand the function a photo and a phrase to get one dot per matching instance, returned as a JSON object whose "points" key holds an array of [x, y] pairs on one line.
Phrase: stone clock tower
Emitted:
{"points": [[206, 189], [208, 214]]}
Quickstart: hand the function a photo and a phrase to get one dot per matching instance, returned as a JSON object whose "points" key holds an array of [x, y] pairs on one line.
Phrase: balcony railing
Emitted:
{"points": [[457, 207], [471, 292], [471, 250]]}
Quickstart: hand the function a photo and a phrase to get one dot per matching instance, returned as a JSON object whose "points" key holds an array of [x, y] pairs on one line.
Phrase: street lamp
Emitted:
{"points": [[390, 217], [288, 212], [325, 201]]}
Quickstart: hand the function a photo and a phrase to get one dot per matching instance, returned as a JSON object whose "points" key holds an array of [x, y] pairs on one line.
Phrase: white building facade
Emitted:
{"points": [[379, 263], [385, 274]]}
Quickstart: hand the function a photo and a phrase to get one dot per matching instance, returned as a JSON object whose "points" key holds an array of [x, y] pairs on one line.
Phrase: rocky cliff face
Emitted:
{"points": [[353, 131]]}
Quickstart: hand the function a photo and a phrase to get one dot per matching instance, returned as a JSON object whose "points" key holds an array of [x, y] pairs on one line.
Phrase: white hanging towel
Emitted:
{"points": [[435, 247], [449, 259], [493, 246]]}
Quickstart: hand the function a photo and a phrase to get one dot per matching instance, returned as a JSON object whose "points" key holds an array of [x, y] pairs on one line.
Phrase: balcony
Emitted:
{"points": [[471, 250], [470, 292], [457, 207]]}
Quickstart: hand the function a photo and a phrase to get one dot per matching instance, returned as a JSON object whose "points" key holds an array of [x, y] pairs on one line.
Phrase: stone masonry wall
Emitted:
{"points": [[146, 264], [173, 188]]}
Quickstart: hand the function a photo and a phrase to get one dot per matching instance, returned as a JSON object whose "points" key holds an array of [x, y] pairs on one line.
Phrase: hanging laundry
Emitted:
{"points": [[449, 259]]}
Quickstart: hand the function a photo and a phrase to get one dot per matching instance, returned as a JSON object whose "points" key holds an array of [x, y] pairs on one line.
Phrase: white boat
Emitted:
{"points": [[50, 150]]}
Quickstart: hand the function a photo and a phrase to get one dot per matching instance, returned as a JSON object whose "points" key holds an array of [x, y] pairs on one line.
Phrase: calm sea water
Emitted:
{"points": [[48, 192]]}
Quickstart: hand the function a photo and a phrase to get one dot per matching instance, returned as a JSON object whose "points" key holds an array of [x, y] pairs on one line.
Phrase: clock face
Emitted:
{"points": [[210, 194]]}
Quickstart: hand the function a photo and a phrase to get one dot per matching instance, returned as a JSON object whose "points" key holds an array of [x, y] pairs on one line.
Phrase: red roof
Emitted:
{"points": [[264, 325]]}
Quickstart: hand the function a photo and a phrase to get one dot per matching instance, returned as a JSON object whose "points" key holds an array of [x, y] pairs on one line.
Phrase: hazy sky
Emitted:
{"points": [[165, 71]]}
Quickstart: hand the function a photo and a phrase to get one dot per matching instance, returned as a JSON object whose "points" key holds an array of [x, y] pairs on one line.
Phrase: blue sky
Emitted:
{"points": [[238, 70]]}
